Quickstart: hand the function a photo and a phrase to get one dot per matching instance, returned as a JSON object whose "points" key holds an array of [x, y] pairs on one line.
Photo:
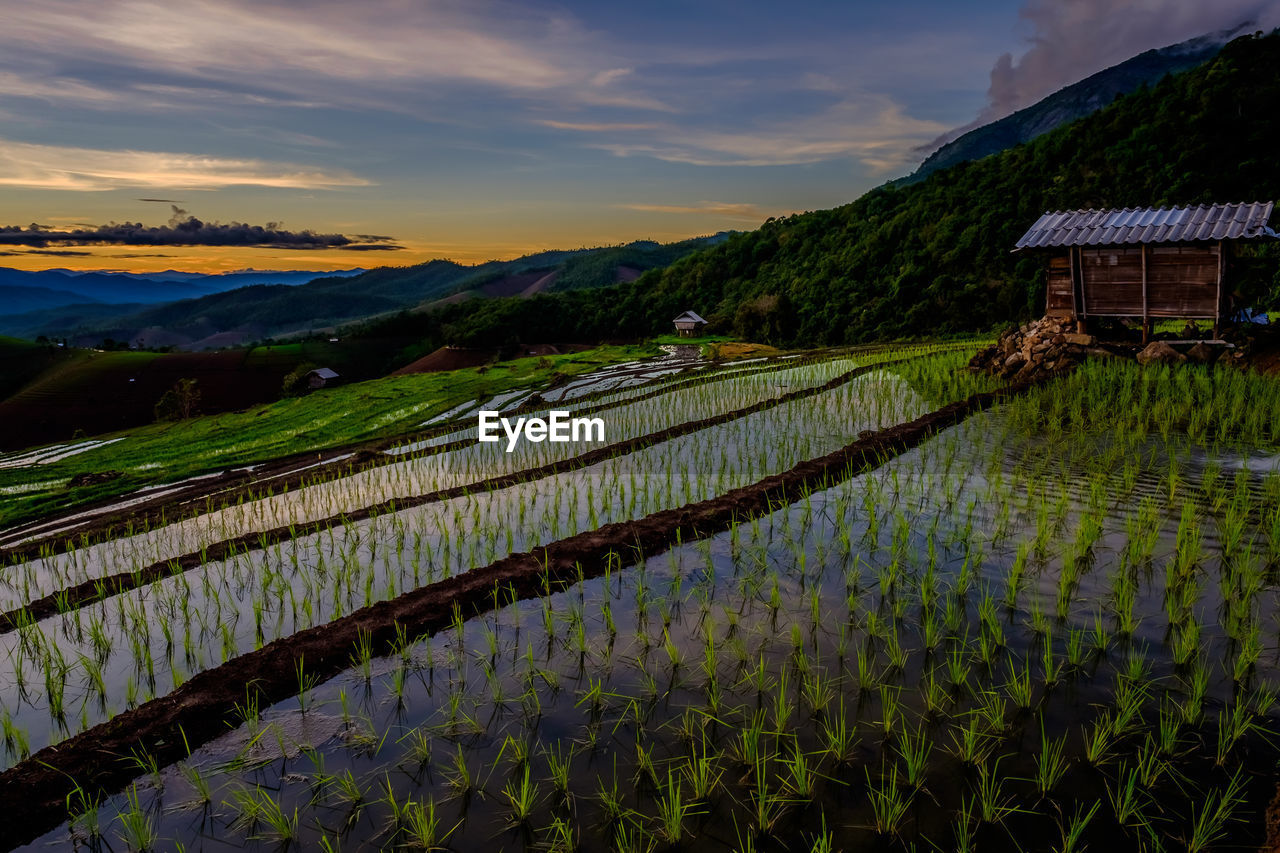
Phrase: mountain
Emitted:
{"points": [[934, 257], [47, 321], [22, 291], [1072, 102], [20, 299], [68, 288], [244, 314]]}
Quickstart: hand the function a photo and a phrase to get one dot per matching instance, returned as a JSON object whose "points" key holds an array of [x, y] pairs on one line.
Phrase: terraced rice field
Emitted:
{"points": [[863, 601]]}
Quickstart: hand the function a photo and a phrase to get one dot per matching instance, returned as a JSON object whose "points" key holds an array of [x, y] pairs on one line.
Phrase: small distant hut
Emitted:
{"points": [[321, 377], [689, 324], [1144, 263]]}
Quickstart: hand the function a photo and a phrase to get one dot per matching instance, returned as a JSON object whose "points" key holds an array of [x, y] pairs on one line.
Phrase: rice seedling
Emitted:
{"points": [[136, 828], [914, 751], [521, 794], [1019, 687], [889, 805], [970, 742], [1209, 821], [673, 809], [1099, 743], [421, 827], [837, 735], [610, 799], [703, 773], [1051, 764], [461, 780], [1074, 829]]}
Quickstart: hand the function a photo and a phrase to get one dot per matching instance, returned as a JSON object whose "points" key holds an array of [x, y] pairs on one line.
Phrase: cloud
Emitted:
{"points": [[872, 130], [477, 68], [65, 253], [595, 126], [186, 230], [163, 200], [55, 88], [604, 78], [715, 208], [57, 167], [318, 53], [1072, 39]]}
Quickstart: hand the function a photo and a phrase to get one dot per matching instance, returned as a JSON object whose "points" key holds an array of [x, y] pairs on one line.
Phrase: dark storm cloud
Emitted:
{"points": [[186, 230], [62, 253], [1075, 38]]}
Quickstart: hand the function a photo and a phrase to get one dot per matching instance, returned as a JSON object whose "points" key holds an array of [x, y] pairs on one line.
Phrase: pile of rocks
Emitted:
{"points": [[1047, 345], [1159, 352]]}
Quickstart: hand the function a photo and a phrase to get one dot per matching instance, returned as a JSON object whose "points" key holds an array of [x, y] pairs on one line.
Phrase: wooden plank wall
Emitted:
{"points": [[1058, 299], [1182, 281], [1113, 280]]}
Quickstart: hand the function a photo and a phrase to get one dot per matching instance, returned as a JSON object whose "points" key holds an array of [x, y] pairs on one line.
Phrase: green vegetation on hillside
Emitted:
{"points": [[934, 257], [22, 361], [268, 310], [49, 393], [1069, 103]]}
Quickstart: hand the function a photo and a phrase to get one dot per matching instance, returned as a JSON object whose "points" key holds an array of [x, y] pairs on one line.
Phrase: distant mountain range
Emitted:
{"points": [[1072, 102], [215, 311], [23, 291]]}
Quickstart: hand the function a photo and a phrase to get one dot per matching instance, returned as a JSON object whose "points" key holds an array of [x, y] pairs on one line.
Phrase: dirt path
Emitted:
{"points": [[89, 591], [36, 791]]}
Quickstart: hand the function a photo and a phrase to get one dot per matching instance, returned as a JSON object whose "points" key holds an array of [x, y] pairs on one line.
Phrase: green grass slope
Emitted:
{"points": [[85, 392], [22, 361]]}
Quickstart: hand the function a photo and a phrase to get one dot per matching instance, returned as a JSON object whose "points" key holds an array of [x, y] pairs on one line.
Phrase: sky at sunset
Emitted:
{"points": [[402, 130]]}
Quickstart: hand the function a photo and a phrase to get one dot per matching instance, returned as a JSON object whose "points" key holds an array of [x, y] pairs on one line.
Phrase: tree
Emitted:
{"points": [[180, 402], [295, 382]]}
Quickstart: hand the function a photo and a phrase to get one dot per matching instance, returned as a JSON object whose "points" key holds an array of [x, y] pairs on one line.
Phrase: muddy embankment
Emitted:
{"points": [[74, 597], [36, 791]]}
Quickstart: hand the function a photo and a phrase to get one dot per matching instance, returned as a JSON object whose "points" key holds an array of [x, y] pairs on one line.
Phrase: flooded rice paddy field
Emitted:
{"points": [[1050, 627], [420, 473], [68, 672]]}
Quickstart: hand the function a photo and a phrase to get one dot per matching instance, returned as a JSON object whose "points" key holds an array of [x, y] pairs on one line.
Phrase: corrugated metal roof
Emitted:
{"points": [[324, 373], [689, 315], [1149, 225]]}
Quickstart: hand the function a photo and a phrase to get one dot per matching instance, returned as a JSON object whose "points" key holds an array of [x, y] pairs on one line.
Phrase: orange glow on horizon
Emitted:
{"points": [[221, 259]]}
